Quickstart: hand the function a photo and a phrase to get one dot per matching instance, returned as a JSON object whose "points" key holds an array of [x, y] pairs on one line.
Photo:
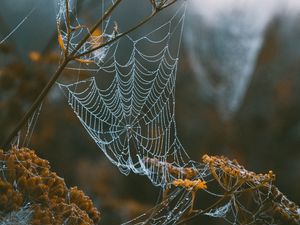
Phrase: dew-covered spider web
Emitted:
{"points": [[131, 117], [230, 192], [132, 120], [69, 23], [7, 36]]}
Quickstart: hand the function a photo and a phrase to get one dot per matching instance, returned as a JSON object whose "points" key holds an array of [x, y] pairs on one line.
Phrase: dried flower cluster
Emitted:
{"points": [[272, 206], [253, 198], [282, 208], [193, 185], [26, 180], [234, 169]]}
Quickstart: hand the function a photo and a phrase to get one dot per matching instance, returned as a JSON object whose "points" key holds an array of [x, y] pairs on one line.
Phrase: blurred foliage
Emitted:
{"points": [[264, 134]]}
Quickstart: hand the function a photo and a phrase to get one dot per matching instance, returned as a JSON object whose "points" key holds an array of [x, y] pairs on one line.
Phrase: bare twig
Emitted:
{"points": [[68, 28], [141, 23], [73, 56], [35, 104]]}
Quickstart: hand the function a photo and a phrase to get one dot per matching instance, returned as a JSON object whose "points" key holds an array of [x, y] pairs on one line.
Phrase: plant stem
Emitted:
{"points": [[56, 75], [68, 28], [96, 25], [71, 57], [35, 104], [141, 23]]}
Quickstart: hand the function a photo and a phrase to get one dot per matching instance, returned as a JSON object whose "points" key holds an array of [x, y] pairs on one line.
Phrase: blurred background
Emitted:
{"points": [[237, 95]]}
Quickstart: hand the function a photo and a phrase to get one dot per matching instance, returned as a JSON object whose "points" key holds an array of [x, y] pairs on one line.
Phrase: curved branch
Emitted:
{"points": [[67, 59]]}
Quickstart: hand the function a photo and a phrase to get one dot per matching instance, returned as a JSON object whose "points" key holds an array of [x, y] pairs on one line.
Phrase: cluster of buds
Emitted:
{"points": [[236, 183], [234, 169], [190, 185], [283, 208], [27, 180], [276, 206]]}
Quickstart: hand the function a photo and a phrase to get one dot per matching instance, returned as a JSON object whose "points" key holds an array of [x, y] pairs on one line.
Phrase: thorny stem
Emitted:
{"points": [[72, 56]]}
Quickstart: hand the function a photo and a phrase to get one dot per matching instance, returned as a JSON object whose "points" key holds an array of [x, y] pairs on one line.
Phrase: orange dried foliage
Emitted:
{"points": [[279, 207], [283, 208], [234, 169], [27, 178], [193, 185], [49, 58], [34, 56], [86, 61], [97, 32], [234, 179], [61, 42], [10, 199]]}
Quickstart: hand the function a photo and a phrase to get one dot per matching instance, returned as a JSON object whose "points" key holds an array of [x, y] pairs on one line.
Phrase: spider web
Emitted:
{"points": [[133, 119], [78, 30], [17, 26], [241, 198]]}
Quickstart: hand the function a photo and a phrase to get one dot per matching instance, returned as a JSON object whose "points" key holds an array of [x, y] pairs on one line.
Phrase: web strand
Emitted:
{"points": [[133, 119], [17, 26]]}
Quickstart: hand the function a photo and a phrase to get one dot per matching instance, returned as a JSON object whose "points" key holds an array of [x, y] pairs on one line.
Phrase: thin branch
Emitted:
{"points": [[53, 38], [68, 28], [18, 26], [35, 104], [53, 79], [202, 212], [141, 23], [66, 60], [97, 24]]}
